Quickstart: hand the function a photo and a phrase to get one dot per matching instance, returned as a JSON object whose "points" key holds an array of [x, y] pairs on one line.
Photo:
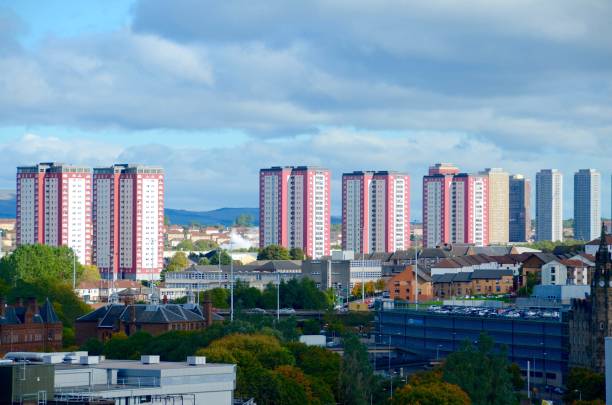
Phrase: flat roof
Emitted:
{"points": [[138, 365]]}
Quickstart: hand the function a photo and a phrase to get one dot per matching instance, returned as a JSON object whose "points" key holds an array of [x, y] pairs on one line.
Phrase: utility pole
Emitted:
{"points": [[416, 276], [277, 296], [528, 380], [231, 282], [73, 269]]}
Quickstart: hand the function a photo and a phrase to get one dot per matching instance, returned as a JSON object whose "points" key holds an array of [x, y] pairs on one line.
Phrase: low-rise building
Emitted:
{"points": [[401, 286], [28, 327], [77, 378], [478, 282], [592, 246]]}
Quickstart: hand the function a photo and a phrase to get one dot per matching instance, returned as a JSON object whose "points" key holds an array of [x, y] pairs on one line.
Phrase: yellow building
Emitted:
{"points": [[499, 200]]}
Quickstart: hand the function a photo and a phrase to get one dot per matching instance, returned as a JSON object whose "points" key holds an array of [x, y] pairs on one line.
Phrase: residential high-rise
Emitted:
{"points": [[54, 207], [128, 219], [498, 206], [549, 205], [519, 225], [295, 208], [375, 211], [587, 204], [469, 201], [436, 204]]}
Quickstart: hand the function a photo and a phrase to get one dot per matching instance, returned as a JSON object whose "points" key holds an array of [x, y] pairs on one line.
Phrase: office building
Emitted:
{"points": [[469, 201], [587, 204], [128, 220], [519, 221], [436, 204], [78, 378], [549, 205], [295, 208], [375, 211], [54, 207], [498, 206]]}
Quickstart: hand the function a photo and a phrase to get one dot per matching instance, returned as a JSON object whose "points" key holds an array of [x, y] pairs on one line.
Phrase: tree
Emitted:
{"points": [[204, 261], [583, 381], [204, 245], [90, 273], [532, 281], [481, 372], [244, 220], [185, 245], [517, 380], [225, 258], [433, 393], [93, 346], [380, 285], [178, 262], [273, 252], [296, 254], [311, 327], [218, 296], [356, 373], [319, 363]]}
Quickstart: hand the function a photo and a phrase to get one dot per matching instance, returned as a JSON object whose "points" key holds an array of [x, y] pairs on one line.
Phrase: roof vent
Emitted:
{"points": [[196, 360], [85, 360], [150, 359]]}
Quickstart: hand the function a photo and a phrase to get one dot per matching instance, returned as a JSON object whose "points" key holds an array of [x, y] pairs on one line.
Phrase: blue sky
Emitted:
{"points": [[214, 91]]}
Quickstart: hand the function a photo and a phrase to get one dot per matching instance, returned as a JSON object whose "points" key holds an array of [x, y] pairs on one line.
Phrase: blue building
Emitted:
{"points": [[540, 337]]}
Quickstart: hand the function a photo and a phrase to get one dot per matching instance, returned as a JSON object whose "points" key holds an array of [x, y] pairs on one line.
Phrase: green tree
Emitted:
{"points": [[319, 363], [39, 263], [527, 290], [185, 245], [356, 376], [244, 220], [219, 297], [273, 252], [93, 346], [583, 381], [204, 245], [178, 262], [517, 380], [226, 259], [311, 327], [434, 393], [90, 273], [296, 254], [481, 372], [204, 261]]}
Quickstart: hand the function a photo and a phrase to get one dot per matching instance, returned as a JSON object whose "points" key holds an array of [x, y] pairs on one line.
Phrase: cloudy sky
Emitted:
{"points": [[213, 91]]}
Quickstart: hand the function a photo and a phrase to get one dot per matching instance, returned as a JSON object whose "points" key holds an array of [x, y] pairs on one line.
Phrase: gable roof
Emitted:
{"points": [[108, 315], [596, 241]]}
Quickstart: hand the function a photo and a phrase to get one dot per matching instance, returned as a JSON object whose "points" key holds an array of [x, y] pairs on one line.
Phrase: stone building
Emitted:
{"points": [[154, 318], [28, 327], [590, 320]]}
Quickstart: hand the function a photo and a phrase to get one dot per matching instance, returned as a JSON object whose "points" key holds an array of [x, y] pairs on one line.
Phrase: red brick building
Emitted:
{"points": [[29, 327], [401, 286]]}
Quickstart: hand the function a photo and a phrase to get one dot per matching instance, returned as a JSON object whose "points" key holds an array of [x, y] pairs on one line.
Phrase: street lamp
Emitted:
{"points": [[438, 352], [389, 370], [579, 394]]}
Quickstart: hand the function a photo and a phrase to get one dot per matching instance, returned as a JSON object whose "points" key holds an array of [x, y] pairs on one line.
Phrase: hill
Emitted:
{"points": [[7, 204]]}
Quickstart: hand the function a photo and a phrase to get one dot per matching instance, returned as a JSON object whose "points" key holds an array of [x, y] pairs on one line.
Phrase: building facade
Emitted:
{"points": [[469, 217], [437, 204], [375, 211], [295, 208], [587, 204], [519, 207], [499, 200], [54, 207], [591, 318], [401, 286], [549, 205], [128, 220], [27, 327]]}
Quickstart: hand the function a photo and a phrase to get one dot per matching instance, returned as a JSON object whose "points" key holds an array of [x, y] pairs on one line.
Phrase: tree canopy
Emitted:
{"points": [[273, 252], [178, 262], [244, 220], [586, 383], [226, 259], [356, 377]]}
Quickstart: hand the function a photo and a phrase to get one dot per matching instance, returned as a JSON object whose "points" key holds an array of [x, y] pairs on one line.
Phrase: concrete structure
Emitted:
{"points": [[469, 218], [341, 274], [29, 327], [128, 221], [257, 274], [549, 205], [519, 227], [437, 204], [554, 273], [79, 378], [54, 207], [587, 204], [561, 293], [541, 339], [499, 200], [375, 211], [295, 208]]}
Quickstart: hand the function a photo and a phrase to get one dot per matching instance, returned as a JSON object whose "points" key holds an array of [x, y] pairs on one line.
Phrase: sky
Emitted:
{"points": [[214, 91]]}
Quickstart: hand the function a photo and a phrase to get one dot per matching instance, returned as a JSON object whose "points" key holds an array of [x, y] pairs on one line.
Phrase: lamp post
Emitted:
{"points": [[438, 352], [389, 370], [231, 282]]}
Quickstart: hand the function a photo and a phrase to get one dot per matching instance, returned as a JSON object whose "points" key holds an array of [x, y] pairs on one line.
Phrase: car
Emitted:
{"points": [[259, 311], [287, 311]]}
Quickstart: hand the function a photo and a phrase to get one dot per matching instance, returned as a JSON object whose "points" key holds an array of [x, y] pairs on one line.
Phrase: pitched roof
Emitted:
{"points": [[573, 263], [484, 274], [492, 250], [491, 274], [596, 241], [108, 315], [433, 253]]}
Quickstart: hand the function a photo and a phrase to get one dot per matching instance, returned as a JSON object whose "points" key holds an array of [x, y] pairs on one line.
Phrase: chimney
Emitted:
{"points": [[2, 306], [31, 310], [165, 299], [133, 313], [208, 314]]}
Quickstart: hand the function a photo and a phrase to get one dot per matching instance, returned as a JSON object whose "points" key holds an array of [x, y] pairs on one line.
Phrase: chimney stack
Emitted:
{"points": [[208, 314], [31, 310], [165, 299]]}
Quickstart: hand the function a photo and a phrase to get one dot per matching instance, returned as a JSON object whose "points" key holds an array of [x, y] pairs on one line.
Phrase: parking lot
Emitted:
{"points": [[520, 313]]}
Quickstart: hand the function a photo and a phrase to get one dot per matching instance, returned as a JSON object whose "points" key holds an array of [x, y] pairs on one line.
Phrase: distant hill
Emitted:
{"points": [[221, 216]]}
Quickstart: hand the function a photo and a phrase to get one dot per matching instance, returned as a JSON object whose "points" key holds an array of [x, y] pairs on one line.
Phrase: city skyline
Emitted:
{"points": [[116, 81]]}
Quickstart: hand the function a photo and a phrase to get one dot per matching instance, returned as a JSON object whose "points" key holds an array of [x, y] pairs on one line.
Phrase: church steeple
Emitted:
{"points": [[602, 256]]}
